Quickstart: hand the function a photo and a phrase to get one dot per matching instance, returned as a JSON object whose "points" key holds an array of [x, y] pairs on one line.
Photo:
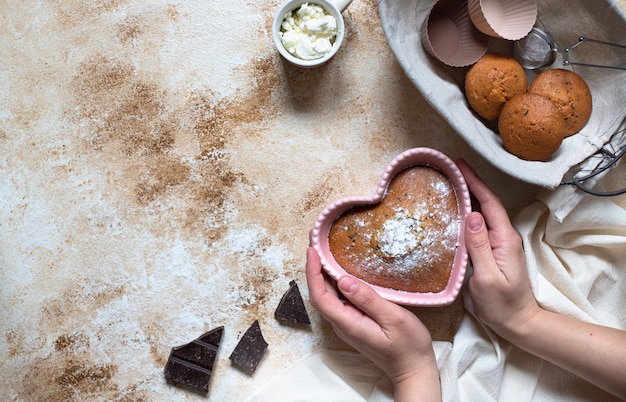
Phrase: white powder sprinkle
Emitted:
{"points": [[442, 188], [399, 236]]}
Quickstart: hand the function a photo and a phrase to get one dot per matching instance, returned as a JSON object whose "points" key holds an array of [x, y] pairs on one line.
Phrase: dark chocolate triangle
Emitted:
{"points": [[212, 337], [291, 307], [191, 365], [250, 348]]}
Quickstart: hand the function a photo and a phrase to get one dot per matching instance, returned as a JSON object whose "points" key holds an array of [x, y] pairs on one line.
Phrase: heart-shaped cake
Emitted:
{"points": [[407, 239]]}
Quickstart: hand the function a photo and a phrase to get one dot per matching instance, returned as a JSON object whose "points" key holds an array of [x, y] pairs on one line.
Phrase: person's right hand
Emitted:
{"points": [[502, 298], [499, 287]]}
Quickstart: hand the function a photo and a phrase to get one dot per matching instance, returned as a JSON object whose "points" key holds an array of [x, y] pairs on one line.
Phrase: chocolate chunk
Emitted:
{"points": [[191, 365], [250, 348], [291, 307]]}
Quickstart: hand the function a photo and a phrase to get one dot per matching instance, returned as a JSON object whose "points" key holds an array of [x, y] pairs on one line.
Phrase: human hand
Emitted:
{"points": [[388, 334], [499, 287], [503, 300]]}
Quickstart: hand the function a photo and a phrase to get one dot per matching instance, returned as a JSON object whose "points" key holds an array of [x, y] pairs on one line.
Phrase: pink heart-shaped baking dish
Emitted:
{"points": [[411, 157]]}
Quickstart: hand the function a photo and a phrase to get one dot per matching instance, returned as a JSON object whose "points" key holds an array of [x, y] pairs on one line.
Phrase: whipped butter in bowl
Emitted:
{"points": [[309, 33]]}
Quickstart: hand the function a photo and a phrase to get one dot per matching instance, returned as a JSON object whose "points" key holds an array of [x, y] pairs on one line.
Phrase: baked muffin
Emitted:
{"points": [[491, 82], [531, 127], [408, 240], [569, 92]]}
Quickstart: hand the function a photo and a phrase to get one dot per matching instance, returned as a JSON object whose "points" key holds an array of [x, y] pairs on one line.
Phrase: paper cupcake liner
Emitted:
{"points": [[449, 35], [506, 19]]}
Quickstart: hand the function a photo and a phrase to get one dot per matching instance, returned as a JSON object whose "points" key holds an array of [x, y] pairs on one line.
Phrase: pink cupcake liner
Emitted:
{"points": [[506, 19], [449, 35]]}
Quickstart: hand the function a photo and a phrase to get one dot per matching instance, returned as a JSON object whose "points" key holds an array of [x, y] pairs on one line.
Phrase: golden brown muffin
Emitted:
{"points": [[491, 82], [569, 92], [531, 127], [408, 240]]}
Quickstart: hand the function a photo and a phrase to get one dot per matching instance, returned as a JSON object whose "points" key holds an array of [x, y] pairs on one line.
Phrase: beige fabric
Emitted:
{"points": [[577, 267], [338, 376]]}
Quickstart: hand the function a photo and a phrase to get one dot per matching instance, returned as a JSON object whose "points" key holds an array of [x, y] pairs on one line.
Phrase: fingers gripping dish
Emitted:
{"points": [[406, 240]]}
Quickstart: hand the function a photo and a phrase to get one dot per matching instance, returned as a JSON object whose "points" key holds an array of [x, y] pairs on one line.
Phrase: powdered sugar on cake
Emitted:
{"points": [[408, 241], [410, 237], [400, 235]]}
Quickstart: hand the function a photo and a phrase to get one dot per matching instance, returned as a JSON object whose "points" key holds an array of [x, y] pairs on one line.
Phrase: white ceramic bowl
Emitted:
{"points": [[292, 5]]}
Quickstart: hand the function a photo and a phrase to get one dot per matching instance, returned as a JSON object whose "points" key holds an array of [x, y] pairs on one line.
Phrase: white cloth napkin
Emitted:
{"points": [[577, 267]]}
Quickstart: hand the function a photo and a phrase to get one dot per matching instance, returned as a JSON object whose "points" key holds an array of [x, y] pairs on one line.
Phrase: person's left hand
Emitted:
{"points": [[388, 334]]}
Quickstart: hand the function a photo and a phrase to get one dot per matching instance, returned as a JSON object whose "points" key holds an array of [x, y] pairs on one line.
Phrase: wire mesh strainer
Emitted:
{"points": [[538, 49]]}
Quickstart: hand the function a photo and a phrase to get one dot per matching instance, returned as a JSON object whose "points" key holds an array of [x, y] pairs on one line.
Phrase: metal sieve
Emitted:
{"points": [[535, 50], [568, 52], [538, 49]]}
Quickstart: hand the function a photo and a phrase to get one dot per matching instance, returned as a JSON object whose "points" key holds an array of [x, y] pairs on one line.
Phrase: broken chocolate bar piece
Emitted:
{"points": [[250, 348], [191, 365], [291, 307]]}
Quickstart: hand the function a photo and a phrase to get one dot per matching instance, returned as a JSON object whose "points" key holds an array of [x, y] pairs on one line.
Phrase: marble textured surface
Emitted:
{"points": [[160, 168]]}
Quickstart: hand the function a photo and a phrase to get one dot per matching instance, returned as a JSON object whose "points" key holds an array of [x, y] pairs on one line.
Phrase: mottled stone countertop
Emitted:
{"points": [[160, 168]]}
